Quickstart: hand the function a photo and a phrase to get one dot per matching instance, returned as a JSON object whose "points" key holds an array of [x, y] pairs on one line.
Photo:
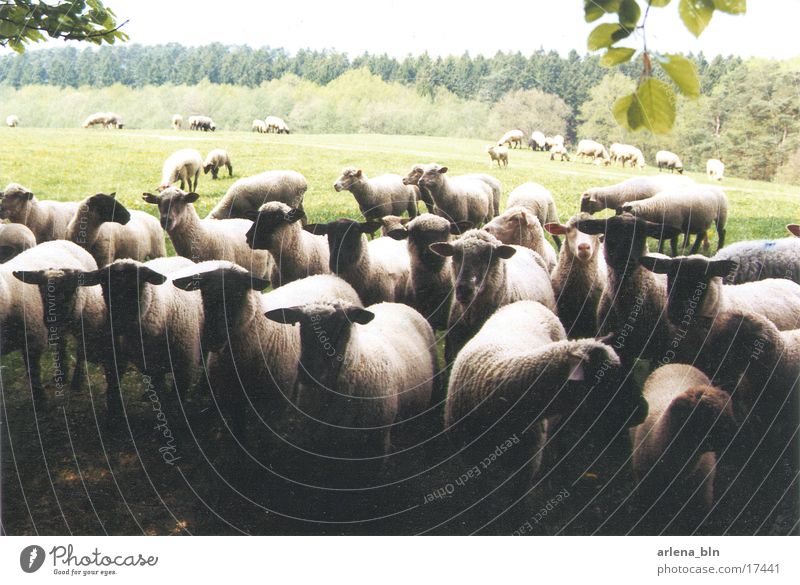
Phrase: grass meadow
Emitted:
{"points": [[64, 472]]}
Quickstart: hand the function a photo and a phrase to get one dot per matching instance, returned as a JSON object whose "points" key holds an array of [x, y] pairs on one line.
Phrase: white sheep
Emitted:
{"points": [[276, 228], [760, 259], [593, 150], [250, 193], [715, 169], [375, 369], [537, 141], [215, 160], [464, 198], [519, 226], [613, 196], [203, 123], [184, 166], [177, 121], [669, 160], [552, 142], [12, 121], [512, 138], [104, 227], [539, 200], [259, 126], [379, 196], [276, 125], [46, 219], [626, 153], [14, 239], [207, 239], [95, 119], [417, 171], [560, 151], [487, 275], [498, 154]]}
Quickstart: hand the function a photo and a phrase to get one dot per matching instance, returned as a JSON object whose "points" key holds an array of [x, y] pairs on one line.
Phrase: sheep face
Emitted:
{"points": [[349, 178], [267, 222], [14, 202], [432, 178], [344, 240], [510, 227], [57, 288], [476, 259], [414, 175], [105, 208], [687, 284], [705, 415], [581, 245], [425, 230], [172, 205], [625, 237]]}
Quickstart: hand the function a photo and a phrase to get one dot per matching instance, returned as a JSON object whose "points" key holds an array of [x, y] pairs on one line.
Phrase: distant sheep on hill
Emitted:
{"points": [[513, 138], [715, 169], [498, 154], [177, 121], [12, 121], [593, 150]]}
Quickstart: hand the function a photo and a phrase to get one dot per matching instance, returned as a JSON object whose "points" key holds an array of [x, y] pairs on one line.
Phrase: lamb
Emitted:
{"points": [[579, 277], [595, 150], [560, 151], [627, 153], [379, 270], [537, 141], [207, 239], [692, 210], [695, 287], [498, 154], [413, 177], [296, 253], [182, 165], [379, 196], [108, 231], [539, 201], [669, 160], [177, 121], [256, 354], [250, 193], [376, 370], [259, 126], [689, 425], [488, 275], [12, 121], [513, 138], [760, 259], [715, 169], [46, 219], [15, 238], [614, 196], [519, 226], [215, 160], [465, 198]]}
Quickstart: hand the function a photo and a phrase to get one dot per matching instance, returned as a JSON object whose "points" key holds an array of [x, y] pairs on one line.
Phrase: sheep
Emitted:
{"points": [[487, 275], [760, 259], [691, 209], [177, 121], [579, 277], [595, 150], [498, 154], [95, 119], [215, 160], [559, 150], [537, 141], [14, 239], [376, 370], [250, 193], [184, 166], [283, 127], [552, 142], [259, 126], [519, 226], [627, 153], [715, 169], [296, 253], [599, 198], [379, 196], [379, 270], [413, 177], [46, 219], [695, 287], [257, 354], [465, 198], [690, 423], [539, 200], [203, 123], [12, 121], [276, 125], [669, 160], [108, 231], [207, 239], [513, 138]]}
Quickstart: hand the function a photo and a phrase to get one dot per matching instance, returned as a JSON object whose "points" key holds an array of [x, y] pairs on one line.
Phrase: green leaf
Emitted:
{"points": [[603, 36], [621, 108], [696, 14], [657, 102], [659, 3], [731, 6], [615, 56], [594, 9], [629, 13], [682, 71]]}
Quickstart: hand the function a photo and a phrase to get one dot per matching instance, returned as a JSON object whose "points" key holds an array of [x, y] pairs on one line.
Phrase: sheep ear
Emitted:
{"points": [[150, 198], [794, 229], [592, 226], [622, 209], [113, 194], [442, 170], [442, 249], [28, 194], [294, 215], [30, 276], [251, 215], [359, 315], [191, 197], [287, 316], [657, 265], [91, 278], [189, 283], [505, 252], [722, 267], [318, 229], [556, 229], [398, 234], [151, 276], [358, 173], [459, 227], [369, 227], [257, 283], [606, 339]]}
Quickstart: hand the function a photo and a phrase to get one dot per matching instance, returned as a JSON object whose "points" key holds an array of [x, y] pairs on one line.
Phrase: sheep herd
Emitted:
{"points": [[686, 365]]}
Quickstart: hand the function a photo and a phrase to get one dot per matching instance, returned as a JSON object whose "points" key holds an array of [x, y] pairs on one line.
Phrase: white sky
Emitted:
{"points": [[443, 27]]}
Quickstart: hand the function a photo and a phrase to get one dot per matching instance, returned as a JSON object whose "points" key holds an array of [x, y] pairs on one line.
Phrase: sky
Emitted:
{"points": [[443, 27]]}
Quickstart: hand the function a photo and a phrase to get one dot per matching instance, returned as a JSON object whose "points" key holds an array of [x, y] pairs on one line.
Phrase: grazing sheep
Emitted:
{"points": [[12, 121], [413, 177], [203, 123], [715, 169], [559, 150], [599, 198], [296, 253], [519, 226], [276, 125], [695, 288], [114, 120], [552, 142], [14, 239], [376, 369], [689, 425], [105, 119], [46, 219], [498, 154], [177, 121], [215, 160], [692, 210], [259, 126], [669, 160], [512, 138], [579, 278], [488, 275], [627, 153], [182, 165], [537, 141], [379, 196], [464, 198], [593, 150], [108, 231], [379, 270], [760, 259], [207, 239], [250, 193]]}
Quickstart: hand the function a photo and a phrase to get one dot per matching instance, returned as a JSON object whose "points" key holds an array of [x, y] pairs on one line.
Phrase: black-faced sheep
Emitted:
{"points": [[250, 193], [715, 169], [512, 138], [215, 160], [14, 239], [382, 195], [669, 160], [184, 166], [47, 220], [537, 141], [593, 150], [465, 198]]}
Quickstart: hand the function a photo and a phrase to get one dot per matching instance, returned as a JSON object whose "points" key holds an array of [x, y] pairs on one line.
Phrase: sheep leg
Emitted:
{"points": [[230, 169], [79, 374], [686, 237], [673, 243], [196, 178], [697, 240], [214, 173], [113, 391], [721, 235], [34, 368], [660, 245], [183, 183]]}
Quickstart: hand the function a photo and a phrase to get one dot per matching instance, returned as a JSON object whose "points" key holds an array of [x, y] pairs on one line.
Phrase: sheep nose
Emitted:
{"points": [[584, 248]]}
